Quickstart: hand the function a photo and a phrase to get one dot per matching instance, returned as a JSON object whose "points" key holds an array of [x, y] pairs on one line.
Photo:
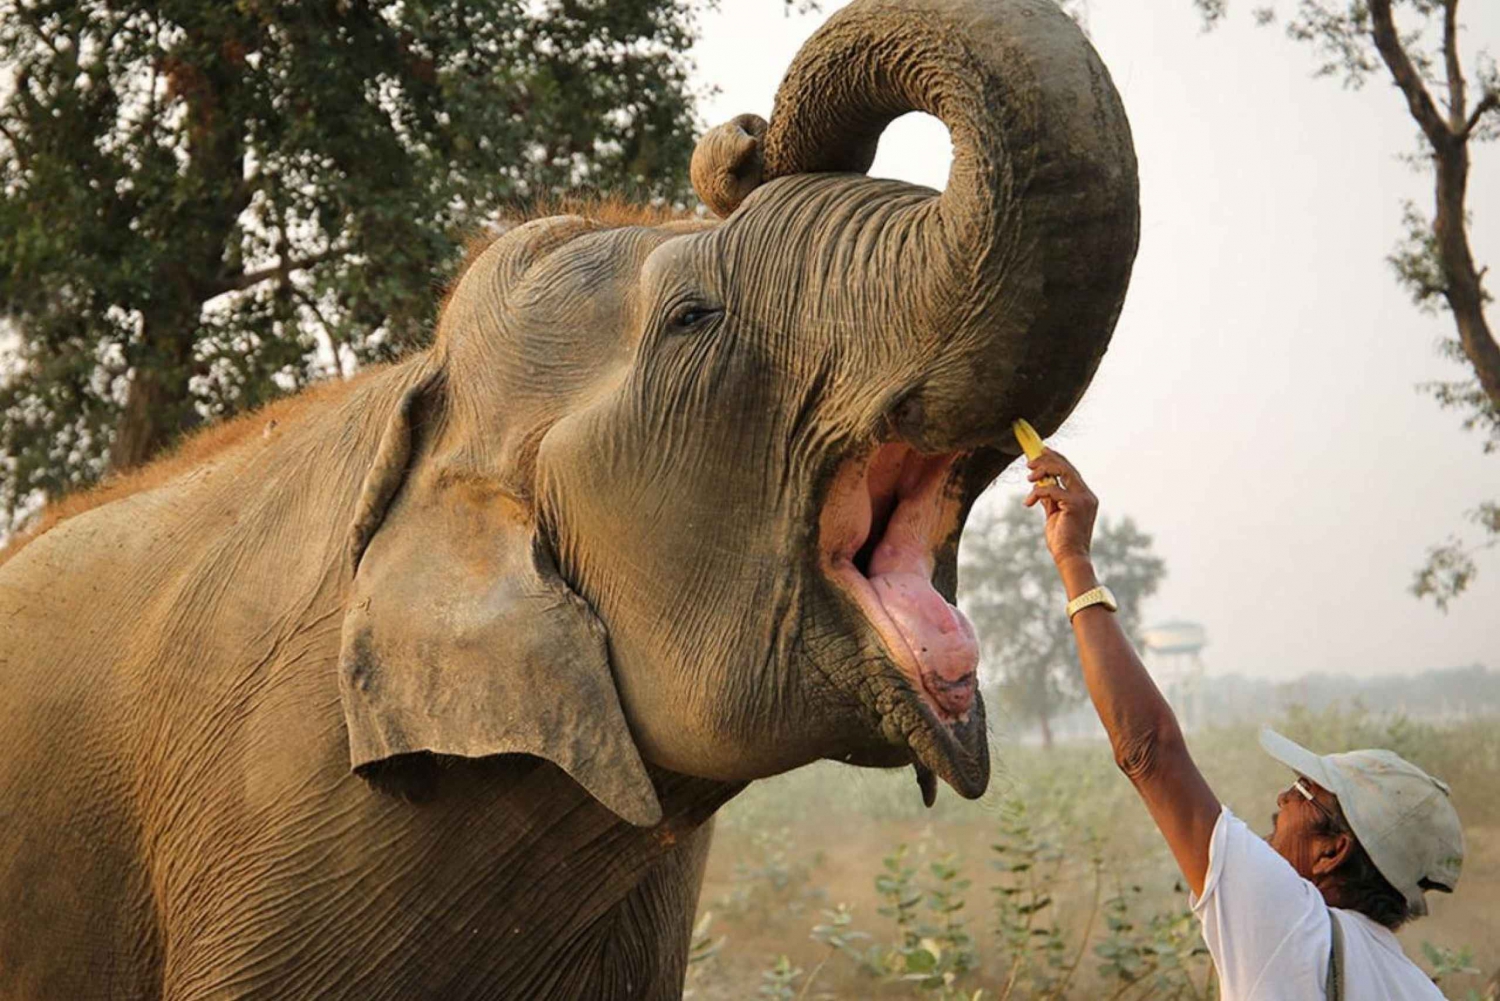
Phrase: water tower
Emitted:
{"points": [[1173, 653]]}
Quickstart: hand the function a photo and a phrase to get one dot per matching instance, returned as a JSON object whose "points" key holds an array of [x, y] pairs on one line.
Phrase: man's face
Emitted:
{"points": [[1302, 830]]}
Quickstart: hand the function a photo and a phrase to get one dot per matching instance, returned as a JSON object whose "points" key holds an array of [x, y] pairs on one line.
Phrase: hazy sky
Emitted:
{"points": [[1256, 411]]}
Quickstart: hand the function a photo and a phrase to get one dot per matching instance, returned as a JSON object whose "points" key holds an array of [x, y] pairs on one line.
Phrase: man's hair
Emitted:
{"points": [[1360, 885]]}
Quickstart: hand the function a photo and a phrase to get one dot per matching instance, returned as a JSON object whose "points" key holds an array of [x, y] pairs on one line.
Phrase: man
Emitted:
{"points": [[1354, 844]]}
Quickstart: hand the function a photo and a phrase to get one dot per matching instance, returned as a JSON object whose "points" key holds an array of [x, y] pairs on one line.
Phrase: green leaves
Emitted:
{"points": [[778, 981], [1029, 855], [1161, 952], [1451, 566], [1448, 962], [771, 876], [703, 946], [1417, 262], [933, 950], [244, 197], [837, 932]]}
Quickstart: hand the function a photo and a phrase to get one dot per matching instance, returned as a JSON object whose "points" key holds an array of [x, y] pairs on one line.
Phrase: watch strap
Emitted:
{"points": [[1100, 595]]}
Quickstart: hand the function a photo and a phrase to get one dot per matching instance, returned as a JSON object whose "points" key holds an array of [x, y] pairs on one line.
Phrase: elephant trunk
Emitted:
{"points": [[1032, 241]]}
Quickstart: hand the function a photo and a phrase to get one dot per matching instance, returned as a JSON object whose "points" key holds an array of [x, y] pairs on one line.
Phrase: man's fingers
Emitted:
{"points": [[1044, 493], [1049, 492], [1051, 463]]}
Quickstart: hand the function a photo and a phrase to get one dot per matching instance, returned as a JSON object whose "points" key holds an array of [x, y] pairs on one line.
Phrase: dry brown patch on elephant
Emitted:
{"points": [[192, 451]]}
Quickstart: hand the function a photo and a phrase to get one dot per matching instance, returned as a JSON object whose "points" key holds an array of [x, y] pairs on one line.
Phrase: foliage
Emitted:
{"points": [[931, 949], [1355, 39], [1015, 603], [1468, 398], [838, 934], [1030, 861], [1450, 565], [778, 981], [1446, 962], [930, 952], [702, 948], [771, 874], [206, 205], [1161, 954]]}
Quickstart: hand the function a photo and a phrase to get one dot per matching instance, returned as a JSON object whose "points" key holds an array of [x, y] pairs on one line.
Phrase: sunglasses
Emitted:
{"points": [[1301, 786]]}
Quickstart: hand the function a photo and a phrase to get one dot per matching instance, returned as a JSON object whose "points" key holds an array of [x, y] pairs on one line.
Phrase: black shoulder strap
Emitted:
{"points": [[1334, 987]]}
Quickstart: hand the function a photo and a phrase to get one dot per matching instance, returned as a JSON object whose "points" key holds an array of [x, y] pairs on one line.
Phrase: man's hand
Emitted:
{"points": [[1069, 503]]}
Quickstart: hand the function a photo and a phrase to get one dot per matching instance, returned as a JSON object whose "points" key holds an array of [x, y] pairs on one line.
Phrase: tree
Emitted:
{"points": [[208, 204], [1016, 604], [1434, 262]]}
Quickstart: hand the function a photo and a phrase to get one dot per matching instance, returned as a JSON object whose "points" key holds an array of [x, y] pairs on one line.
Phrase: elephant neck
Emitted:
{"points": [[688, 803]]}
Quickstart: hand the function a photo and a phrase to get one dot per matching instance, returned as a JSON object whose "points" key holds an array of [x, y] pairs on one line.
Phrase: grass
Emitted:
{"points": [[834, 882]]}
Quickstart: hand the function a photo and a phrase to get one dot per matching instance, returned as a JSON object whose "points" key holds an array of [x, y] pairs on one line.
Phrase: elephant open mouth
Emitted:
{"points": [[886, 516]]}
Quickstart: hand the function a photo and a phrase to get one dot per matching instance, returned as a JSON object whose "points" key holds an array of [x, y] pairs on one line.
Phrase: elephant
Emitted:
{"points": [[429, 683]]}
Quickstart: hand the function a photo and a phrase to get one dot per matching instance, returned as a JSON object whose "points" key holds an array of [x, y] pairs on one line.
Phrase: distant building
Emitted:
{"points": [[1173, 655]]}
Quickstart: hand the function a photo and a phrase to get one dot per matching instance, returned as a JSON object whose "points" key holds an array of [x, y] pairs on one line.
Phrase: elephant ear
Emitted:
{"points": [[460, 637]]}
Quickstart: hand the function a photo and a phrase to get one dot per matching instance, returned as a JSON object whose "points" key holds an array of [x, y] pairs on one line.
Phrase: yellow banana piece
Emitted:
{"points": [[1031, 444]]}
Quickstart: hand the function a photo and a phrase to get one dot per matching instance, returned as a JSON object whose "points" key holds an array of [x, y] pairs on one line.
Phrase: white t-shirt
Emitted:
{"points": [[1267, 930]]}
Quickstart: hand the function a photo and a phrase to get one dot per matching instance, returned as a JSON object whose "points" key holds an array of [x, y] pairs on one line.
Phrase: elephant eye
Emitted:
{"points": [[690, 316]]}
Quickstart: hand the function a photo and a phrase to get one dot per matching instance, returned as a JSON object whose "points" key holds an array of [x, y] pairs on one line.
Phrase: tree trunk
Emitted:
{"points": [[158, 404], [1449, 139], [1046, 725], [1464, 291]]}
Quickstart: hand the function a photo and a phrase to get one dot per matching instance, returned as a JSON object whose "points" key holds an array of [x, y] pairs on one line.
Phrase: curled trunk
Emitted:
{"points": [[1032, 241]]}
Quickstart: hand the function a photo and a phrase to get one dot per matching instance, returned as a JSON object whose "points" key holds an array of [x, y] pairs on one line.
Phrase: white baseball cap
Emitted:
{"points": [[1399, 813]]}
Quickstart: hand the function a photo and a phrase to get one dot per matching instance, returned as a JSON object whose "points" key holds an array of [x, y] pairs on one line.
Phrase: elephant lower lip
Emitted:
{"points": [[958, 752]]}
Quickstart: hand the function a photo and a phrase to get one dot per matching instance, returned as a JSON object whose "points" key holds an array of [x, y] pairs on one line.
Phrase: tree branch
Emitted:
{"points": [[151, 118], [15, 148], [334, 341], [250, 279], [1490, 102], [1388, 44], [39, 29], [1456, 98]]}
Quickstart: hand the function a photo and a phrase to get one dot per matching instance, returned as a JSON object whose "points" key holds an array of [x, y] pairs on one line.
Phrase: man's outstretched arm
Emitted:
{"points": [[1148, 744]]}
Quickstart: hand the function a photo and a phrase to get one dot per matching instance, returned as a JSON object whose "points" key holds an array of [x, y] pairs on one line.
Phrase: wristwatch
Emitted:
{"points": [[1100, 595]]}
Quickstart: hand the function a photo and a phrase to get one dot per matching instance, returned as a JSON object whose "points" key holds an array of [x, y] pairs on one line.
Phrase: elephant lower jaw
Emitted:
{"points": [[885, 514], [958, 753], [910, 733]]}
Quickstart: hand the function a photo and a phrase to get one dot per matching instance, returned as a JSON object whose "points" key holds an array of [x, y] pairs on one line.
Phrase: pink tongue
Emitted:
{"points": [[939, 635]]}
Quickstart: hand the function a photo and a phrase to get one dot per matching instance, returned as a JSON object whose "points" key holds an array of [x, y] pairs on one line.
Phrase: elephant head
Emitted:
{"points": [[691, 495]]}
